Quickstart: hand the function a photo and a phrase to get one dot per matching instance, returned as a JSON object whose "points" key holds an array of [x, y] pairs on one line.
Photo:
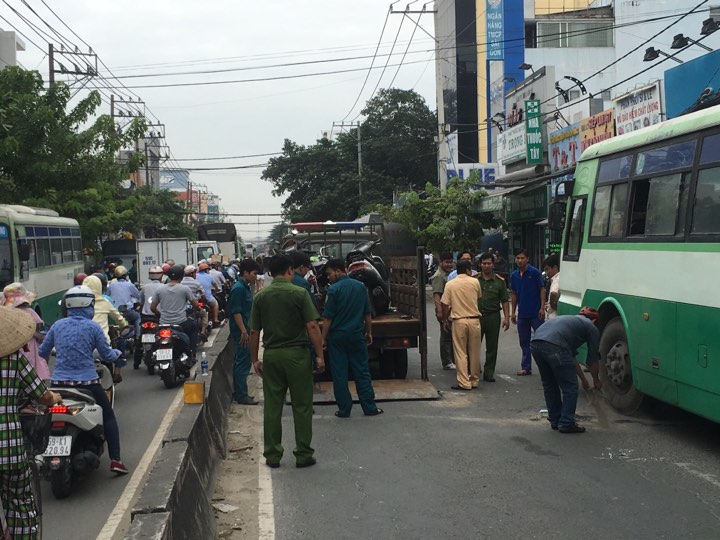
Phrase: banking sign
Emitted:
{"points": [[564, 148], [638, 109], [495, 29]]}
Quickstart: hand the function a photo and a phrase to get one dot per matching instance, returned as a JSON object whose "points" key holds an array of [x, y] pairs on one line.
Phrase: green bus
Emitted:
{"points": [[41, 250], [641, 235]]}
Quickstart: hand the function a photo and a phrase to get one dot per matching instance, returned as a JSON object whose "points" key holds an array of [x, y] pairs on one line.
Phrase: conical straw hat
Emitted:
{"points": [[16, 329]]}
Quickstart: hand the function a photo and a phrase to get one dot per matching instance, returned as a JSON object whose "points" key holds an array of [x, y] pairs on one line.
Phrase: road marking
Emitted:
{"points": [[266, 506], [710, 478], [127, 498], [508, 378]]}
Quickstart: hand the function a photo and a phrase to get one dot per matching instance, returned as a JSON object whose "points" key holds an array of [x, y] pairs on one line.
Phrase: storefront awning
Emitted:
{"points": [[494, 200]]}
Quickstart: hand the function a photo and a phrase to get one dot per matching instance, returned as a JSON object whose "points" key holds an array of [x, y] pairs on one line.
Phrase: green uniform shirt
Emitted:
{"points": [[494, 292], [281, 310], [438, 281]]}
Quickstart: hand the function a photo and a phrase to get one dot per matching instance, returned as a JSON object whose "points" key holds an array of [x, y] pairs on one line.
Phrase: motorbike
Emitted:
{"points": [[144, 350], [372, 272], [171, 357], [77, 438]]}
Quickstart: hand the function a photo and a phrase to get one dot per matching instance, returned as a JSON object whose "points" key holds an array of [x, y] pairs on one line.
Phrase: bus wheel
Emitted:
{"points": [[615, 369]]}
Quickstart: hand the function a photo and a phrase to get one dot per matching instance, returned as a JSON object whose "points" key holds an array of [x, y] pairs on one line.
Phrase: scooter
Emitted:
{"points": [[171, 357], [371, 271], [77, 438]]}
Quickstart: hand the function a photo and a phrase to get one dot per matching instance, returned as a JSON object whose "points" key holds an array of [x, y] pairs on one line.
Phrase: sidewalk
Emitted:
{"points": [[236, 489]]}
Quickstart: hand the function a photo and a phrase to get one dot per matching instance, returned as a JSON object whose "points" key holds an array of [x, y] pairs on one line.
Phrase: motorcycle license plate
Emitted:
{"points": [[148, 338], [163, 354], [58, 446]]}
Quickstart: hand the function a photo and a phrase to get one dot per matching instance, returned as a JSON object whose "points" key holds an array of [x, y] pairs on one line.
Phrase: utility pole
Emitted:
{"points": [[343, 125], [130, 109], [73, 58]]}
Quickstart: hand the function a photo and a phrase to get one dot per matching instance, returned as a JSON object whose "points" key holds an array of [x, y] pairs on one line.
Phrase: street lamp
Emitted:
{"points": [[680, 42], [709, 26], [651, 53], [525, 66]]}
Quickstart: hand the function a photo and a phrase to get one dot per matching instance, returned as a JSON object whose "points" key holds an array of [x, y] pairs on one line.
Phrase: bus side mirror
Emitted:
{"points": [[556, 216], [24, 252]]}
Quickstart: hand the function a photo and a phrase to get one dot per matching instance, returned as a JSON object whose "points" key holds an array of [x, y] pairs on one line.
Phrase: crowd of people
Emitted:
{"points": [[468, 303]]}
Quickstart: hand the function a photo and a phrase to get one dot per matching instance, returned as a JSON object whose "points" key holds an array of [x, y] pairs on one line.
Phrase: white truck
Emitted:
{"points": [[155, 251]]}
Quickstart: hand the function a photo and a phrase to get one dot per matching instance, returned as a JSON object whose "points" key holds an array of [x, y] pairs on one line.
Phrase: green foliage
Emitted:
{"points": [[156, 213], [398, 153], [443, 222], [58, 158]]}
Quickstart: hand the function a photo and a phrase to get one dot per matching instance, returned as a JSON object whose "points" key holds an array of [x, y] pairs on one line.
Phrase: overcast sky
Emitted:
{"points": [[158, 36]]}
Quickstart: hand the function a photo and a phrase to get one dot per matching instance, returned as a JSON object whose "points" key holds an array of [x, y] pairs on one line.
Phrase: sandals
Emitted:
{"points": [[375, 413], [523, 373], [339, 415]]}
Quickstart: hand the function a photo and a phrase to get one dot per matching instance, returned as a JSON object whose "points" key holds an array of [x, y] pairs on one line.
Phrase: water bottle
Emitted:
{"points": [[204, 365]]}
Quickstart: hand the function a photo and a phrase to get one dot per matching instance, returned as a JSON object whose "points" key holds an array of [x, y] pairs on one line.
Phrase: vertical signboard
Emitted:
{"points": [[564, 148], [495, 30], [598, 127], [533, 127], [638, 109]]}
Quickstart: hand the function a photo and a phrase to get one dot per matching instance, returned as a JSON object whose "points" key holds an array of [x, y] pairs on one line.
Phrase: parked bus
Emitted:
{"points": [[41, 250], [640, 244]]}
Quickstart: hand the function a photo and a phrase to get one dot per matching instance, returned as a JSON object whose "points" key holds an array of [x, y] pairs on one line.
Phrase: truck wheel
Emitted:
{"points": [[400, 364], [387, 364], [615, 369]]}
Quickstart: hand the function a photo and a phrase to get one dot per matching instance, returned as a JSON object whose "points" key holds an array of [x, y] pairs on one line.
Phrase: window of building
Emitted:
{"points": [[706, 207], [573, 34]]}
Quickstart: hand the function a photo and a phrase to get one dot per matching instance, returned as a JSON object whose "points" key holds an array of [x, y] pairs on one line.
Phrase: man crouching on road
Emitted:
{"points": [[347, 331], [287, 317], [554, 348]]}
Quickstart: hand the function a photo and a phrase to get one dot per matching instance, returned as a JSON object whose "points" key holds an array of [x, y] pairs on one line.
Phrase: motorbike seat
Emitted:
{"points": [[74, 392]]}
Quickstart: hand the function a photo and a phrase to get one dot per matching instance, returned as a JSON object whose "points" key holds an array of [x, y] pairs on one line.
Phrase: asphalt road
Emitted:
{"points": [[140, 404], [486, 465]]}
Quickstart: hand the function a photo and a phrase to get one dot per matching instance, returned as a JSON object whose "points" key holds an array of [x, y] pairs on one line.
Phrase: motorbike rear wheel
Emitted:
{"points": [[169, 376], [61, 479], [149, 363]]}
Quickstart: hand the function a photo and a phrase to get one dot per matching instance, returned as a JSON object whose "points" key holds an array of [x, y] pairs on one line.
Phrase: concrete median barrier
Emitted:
{"points": [[175, 503]]}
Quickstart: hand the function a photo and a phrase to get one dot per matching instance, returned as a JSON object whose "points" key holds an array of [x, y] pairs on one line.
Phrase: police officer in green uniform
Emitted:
{"points": [[438, 281], [286, 316], [494, 297]]}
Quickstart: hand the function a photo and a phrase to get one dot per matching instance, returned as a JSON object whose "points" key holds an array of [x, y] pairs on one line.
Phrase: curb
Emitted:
{"points": [[176, 500]]}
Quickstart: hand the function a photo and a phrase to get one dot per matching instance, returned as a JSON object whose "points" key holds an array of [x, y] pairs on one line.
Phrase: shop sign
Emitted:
{"points": [[527, 206], [598, 127], [564, 147], [495, 28], [512, 145], [533, 127], [638, 109]]}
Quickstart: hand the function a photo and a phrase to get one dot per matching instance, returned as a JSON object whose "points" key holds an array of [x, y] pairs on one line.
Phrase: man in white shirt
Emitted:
{"points": [[464, 256], [551, 266]]}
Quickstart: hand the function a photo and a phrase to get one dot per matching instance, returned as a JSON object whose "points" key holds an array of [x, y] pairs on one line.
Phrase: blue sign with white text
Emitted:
{"points": [[495, 30]]}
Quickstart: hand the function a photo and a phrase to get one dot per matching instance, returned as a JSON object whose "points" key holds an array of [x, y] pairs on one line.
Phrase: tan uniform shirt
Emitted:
{"points": [[462, 295]]}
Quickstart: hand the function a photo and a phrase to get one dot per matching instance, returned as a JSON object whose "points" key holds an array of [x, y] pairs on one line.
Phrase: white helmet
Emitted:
{"points": [[156, 272], [79, 296], [190, 270]]}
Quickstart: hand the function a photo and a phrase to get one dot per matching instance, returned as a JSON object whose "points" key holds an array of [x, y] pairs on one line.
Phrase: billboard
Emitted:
{"points": [[512, 145], [686, 83], [564, 147], [598, 127], [638, 109], [495, 30], [486, 172]]}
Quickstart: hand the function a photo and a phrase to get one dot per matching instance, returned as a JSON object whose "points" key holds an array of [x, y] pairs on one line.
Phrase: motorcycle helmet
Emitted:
{"points": [[79, 278], [203, 266], [590, 313], [120, 271], [176, 272], [190, 270], [103, 279], [111, 267], [79, 296], [165, 267], [156, 272]]}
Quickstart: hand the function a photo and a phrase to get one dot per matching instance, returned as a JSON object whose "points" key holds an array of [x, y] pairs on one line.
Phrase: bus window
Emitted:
{"points": [[609, 211], [77, 249], [67, 251], [658, 207], [710, 150], [666, 158], [42, 249], [56, 251], [614, 169], [601, 211], [706, 210], [573, 242]]}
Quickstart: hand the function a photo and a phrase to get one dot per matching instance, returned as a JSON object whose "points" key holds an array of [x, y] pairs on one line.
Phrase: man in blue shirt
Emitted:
{"points": [[554, 348], [208, 284], [347, 331], [125, 295], [239, 307], [528, 300]]}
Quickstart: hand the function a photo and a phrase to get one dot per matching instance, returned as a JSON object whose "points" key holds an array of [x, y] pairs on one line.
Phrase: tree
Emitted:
{"points": [[55, 158], [444, 222], [321, 181], [156, 213]]}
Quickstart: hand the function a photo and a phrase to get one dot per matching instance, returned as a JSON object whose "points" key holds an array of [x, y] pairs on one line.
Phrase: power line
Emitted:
{"points": [[229, 157]]}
